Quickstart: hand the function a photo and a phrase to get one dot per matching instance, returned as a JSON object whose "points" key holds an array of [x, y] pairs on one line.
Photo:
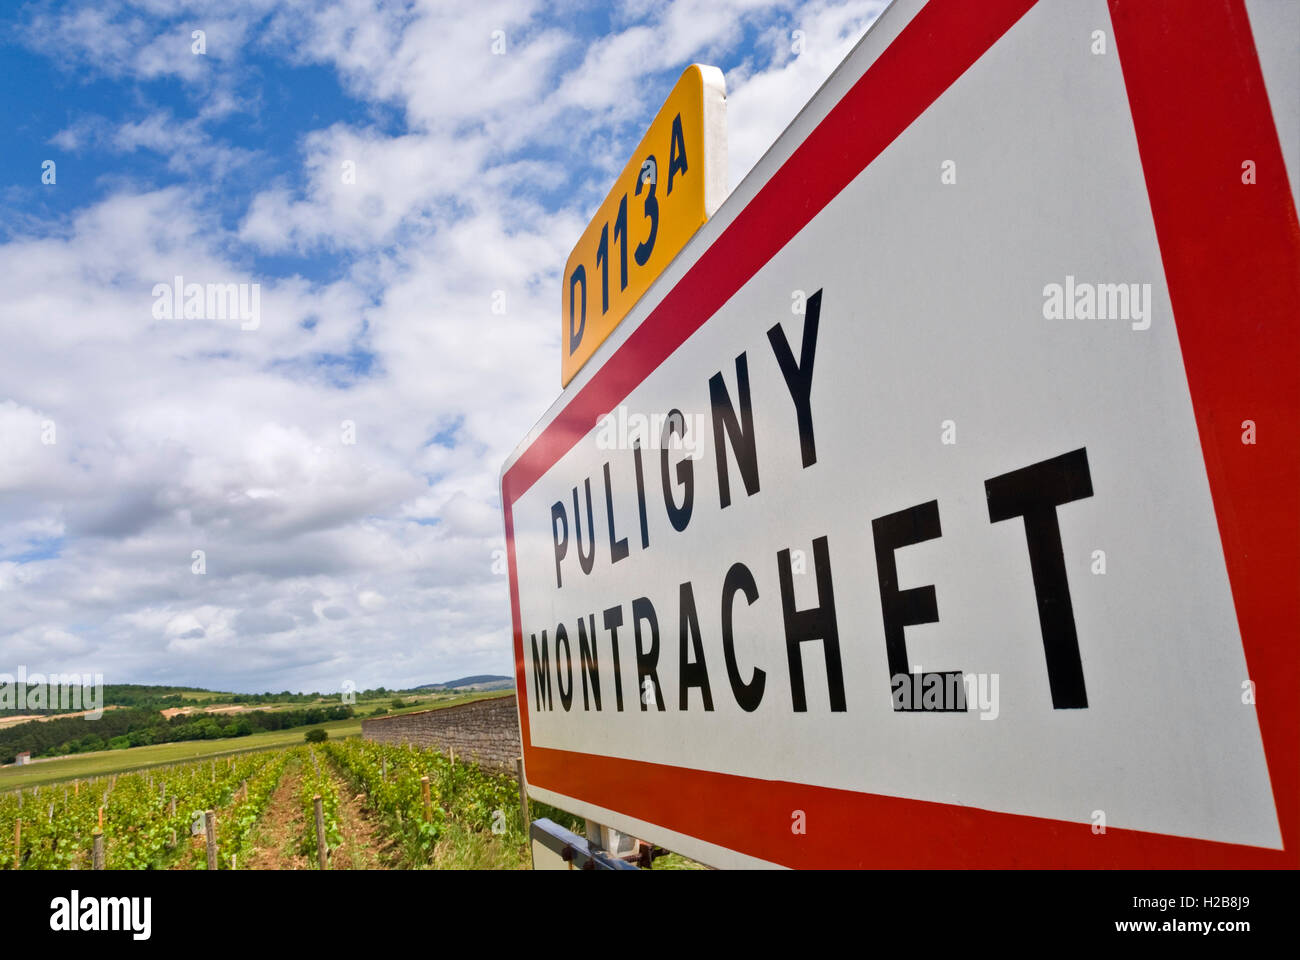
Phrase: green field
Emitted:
{"points": [[210, 699], [82, 765], [390, 834]]}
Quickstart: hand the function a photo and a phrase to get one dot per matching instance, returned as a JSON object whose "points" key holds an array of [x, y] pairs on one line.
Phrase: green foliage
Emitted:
{"points": [[317, 781], [72, 734], [118, 729], [236, 821], [58, 821], [71, 698], [317, 735], [68, 699], [399, 797], [475, 822]]}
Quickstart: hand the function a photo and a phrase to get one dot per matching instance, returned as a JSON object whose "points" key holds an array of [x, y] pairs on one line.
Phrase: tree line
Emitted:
{"points": [[137, 727]]}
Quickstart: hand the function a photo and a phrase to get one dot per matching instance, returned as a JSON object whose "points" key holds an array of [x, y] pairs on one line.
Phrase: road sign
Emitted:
{"points": [[937, 505], [674, 180]]}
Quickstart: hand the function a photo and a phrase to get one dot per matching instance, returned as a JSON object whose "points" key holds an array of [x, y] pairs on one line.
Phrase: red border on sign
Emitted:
{"points": [[1232, 263], [1231, 254]]}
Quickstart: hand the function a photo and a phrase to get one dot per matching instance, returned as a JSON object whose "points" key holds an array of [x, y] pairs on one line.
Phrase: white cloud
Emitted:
{"points": [[325, 560], [761, 104]]}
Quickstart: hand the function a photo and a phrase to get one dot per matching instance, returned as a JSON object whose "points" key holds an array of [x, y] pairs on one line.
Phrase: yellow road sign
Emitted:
{"points": [[671, 185]]}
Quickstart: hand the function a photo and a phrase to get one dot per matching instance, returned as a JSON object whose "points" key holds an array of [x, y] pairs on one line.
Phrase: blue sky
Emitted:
{"points": [[334, 463]]}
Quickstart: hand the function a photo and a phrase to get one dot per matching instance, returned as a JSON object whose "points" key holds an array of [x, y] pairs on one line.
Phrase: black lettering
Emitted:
{"points": [[741, 434], [748, 695], [541, 676], [617, 548], [575, 336], [561, 544], [904, 608], [588, 560], [679, 517], [647, 661], [798, 376], [566, 695], [1034, 493], [613, 618], [817, 623], [588, 662], [640, 495], [650, 207], [693, 673], [676, 152]]}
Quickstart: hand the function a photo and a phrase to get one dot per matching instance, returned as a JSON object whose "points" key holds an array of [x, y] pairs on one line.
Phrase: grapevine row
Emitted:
{"points": [[463, 797], [318, 782], [144, 816]]}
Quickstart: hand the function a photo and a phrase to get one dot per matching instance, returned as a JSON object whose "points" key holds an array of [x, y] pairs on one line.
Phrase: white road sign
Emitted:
{"points": [[932, 506]]}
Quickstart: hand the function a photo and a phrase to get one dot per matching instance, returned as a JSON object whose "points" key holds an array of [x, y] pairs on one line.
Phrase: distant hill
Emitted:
{"points": [[482, 681]]}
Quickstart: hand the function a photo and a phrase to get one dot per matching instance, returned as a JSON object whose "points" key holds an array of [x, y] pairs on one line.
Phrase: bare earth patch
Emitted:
{"points": [[364, 845], [276, 844]]}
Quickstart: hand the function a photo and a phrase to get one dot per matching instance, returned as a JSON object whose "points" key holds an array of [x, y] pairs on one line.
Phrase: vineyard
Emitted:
{"points": [[382, 806], [145, 818], [465, 805]]}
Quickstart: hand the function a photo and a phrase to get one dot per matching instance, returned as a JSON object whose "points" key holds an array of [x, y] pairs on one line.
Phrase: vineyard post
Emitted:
{"points": [[322, 852], [523, 792], [97, 855], [383, 770], [172, 812], [428, 807], [18, 844], [210, 823]]}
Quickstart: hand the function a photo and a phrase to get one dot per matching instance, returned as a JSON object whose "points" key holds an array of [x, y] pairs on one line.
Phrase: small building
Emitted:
{"points": [[24, 757]]}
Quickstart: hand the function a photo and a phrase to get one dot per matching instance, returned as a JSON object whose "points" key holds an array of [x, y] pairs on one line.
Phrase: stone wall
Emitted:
{"points": [[484, 731]]}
